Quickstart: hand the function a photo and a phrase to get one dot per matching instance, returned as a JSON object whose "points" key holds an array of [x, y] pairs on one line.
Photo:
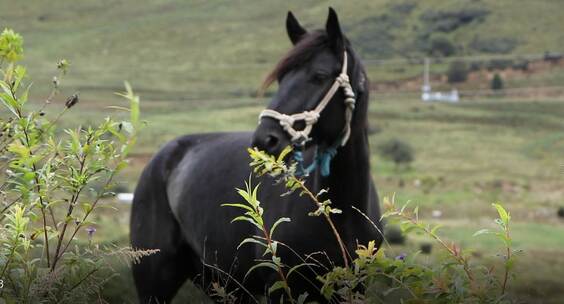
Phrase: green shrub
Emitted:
{"points": [[371, 274], [47, 254], [442, 46], [396, 150], [497, 82], [457, 72]]}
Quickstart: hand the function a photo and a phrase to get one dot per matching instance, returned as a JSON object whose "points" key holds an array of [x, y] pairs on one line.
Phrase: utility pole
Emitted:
{"points": [[426, 88]]}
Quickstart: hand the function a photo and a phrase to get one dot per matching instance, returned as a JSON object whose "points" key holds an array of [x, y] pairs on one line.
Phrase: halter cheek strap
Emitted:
{"points": [[311, 117]]}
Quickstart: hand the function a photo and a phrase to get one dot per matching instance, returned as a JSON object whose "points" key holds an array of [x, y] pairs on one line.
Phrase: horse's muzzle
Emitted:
{"points": [[270, 137]]}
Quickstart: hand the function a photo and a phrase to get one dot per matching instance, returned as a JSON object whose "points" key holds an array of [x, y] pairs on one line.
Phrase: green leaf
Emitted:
{"points": [[278, 222], [302, 298], [295, 268], [277, 285], [482, 231], [19, 73], [503, 215], [283, 154], [254, 195], [24, 95], [246, 219], [405, 206], [251, 240], [436, 228], [259, 265], [118, 108], [86, 207], [245, 195], [8, 101], [238, 205]]}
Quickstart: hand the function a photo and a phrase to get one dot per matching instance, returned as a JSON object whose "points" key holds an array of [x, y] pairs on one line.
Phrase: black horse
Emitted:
{"points": [[177, 201]]}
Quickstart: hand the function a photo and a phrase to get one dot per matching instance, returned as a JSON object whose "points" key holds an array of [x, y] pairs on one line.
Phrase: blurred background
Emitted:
{"points": [[481, 120]]}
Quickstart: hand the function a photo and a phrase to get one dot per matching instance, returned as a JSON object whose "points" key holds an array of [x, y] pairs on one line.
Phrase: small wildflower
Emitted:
{"points": [[401, 257], [90, 231], [72, 100]]}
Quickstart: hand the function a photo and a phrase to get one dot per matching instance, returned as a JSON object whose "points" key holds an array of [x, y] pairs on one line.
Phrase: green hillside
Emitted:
{"points": [[193, 49], [197, 64]]}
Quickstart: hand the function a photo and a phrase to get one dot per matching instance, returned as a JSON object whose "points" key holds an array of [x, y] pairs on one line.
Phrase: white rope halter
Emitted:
{"points": [[311, 117]]}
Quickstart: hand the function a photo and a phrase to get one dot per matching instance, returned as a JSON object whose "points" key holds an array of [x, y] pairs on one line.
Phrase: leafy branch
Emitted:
{"points": [[263, 163], [253, 214]]}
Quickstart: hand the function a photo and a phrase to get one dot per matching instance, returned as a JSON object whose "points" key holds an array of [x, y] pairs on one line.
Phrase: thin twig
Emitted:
{"points": [[328, 218], [375, 226], [72, 203], [83, 279]]}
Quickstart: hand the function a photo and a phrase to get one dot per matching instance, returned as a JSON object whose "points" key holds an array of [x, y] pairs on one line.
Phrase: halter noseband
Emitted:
{"points": [[311, 117]]}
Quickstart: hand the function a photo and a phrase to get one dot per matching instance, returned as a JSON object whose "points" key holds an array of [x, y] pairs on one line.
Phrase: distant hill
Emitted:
{"points": [[197, 48]]}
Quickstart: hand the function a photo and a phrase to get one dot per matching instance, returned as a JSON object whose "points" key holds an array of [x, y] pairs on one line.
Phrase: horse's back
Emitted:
{"points": [[205, 176]]}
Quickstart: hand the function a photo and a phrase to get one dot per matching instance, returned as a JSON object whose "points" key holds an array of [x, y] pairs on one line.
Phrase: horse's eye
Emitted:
{"points": [[319, 76]]}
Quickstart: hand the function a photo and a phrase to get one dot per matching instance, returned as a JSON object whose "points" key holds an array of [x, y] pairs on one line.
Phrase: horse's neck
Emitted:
{"points": [[349, 181]]}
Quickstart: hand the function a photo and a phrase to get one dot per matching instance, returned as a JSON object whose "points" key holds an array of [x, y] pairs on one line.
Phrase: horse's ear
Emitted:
{"points": [[334, 31], [294, 29]]}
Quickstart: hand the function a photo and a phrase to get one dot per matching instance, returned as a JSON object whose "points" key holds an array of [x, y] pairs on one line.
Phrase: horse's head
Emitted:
{"points": [[321, 90]]}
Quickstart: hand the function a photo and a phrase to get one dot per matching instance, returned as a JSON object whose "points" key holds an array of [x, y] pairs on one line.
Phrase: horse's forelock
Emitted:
{"points": [[302, 52]]}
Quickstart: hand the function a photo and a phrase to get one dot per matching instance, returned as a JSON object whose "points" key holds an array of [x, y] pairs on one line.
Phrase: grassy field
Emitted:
{"points": [[198, 63]]}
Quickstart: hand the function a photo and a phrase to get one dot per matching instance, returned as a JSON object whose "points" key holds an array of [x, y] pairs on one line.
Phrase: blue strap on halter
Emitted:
{"points": [[321, 160], [324, 160]]}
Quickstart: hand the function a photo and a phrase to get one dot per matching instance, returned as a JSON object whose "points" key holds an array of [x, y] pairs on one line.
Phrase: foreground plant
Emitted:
{"points": [[253, 214], [276, 167], [452, 278], [374, 275], [51, 183]]}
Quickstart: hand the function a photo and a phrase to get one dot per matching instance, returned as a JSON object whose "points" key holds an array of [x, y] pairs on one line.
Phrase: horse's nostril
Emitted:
{"points": [[271, 141]]}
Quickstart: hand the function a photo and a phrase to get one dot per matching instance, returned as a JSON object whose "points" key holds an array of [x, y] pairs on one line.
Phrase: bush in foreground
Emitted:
{"points": [[374, 275], [51, 184]]}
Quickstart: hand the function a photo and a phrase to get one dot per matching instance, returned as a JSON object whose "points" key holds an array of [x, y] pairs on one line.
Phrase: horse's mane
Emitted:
{"points": [[302, 52]]}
